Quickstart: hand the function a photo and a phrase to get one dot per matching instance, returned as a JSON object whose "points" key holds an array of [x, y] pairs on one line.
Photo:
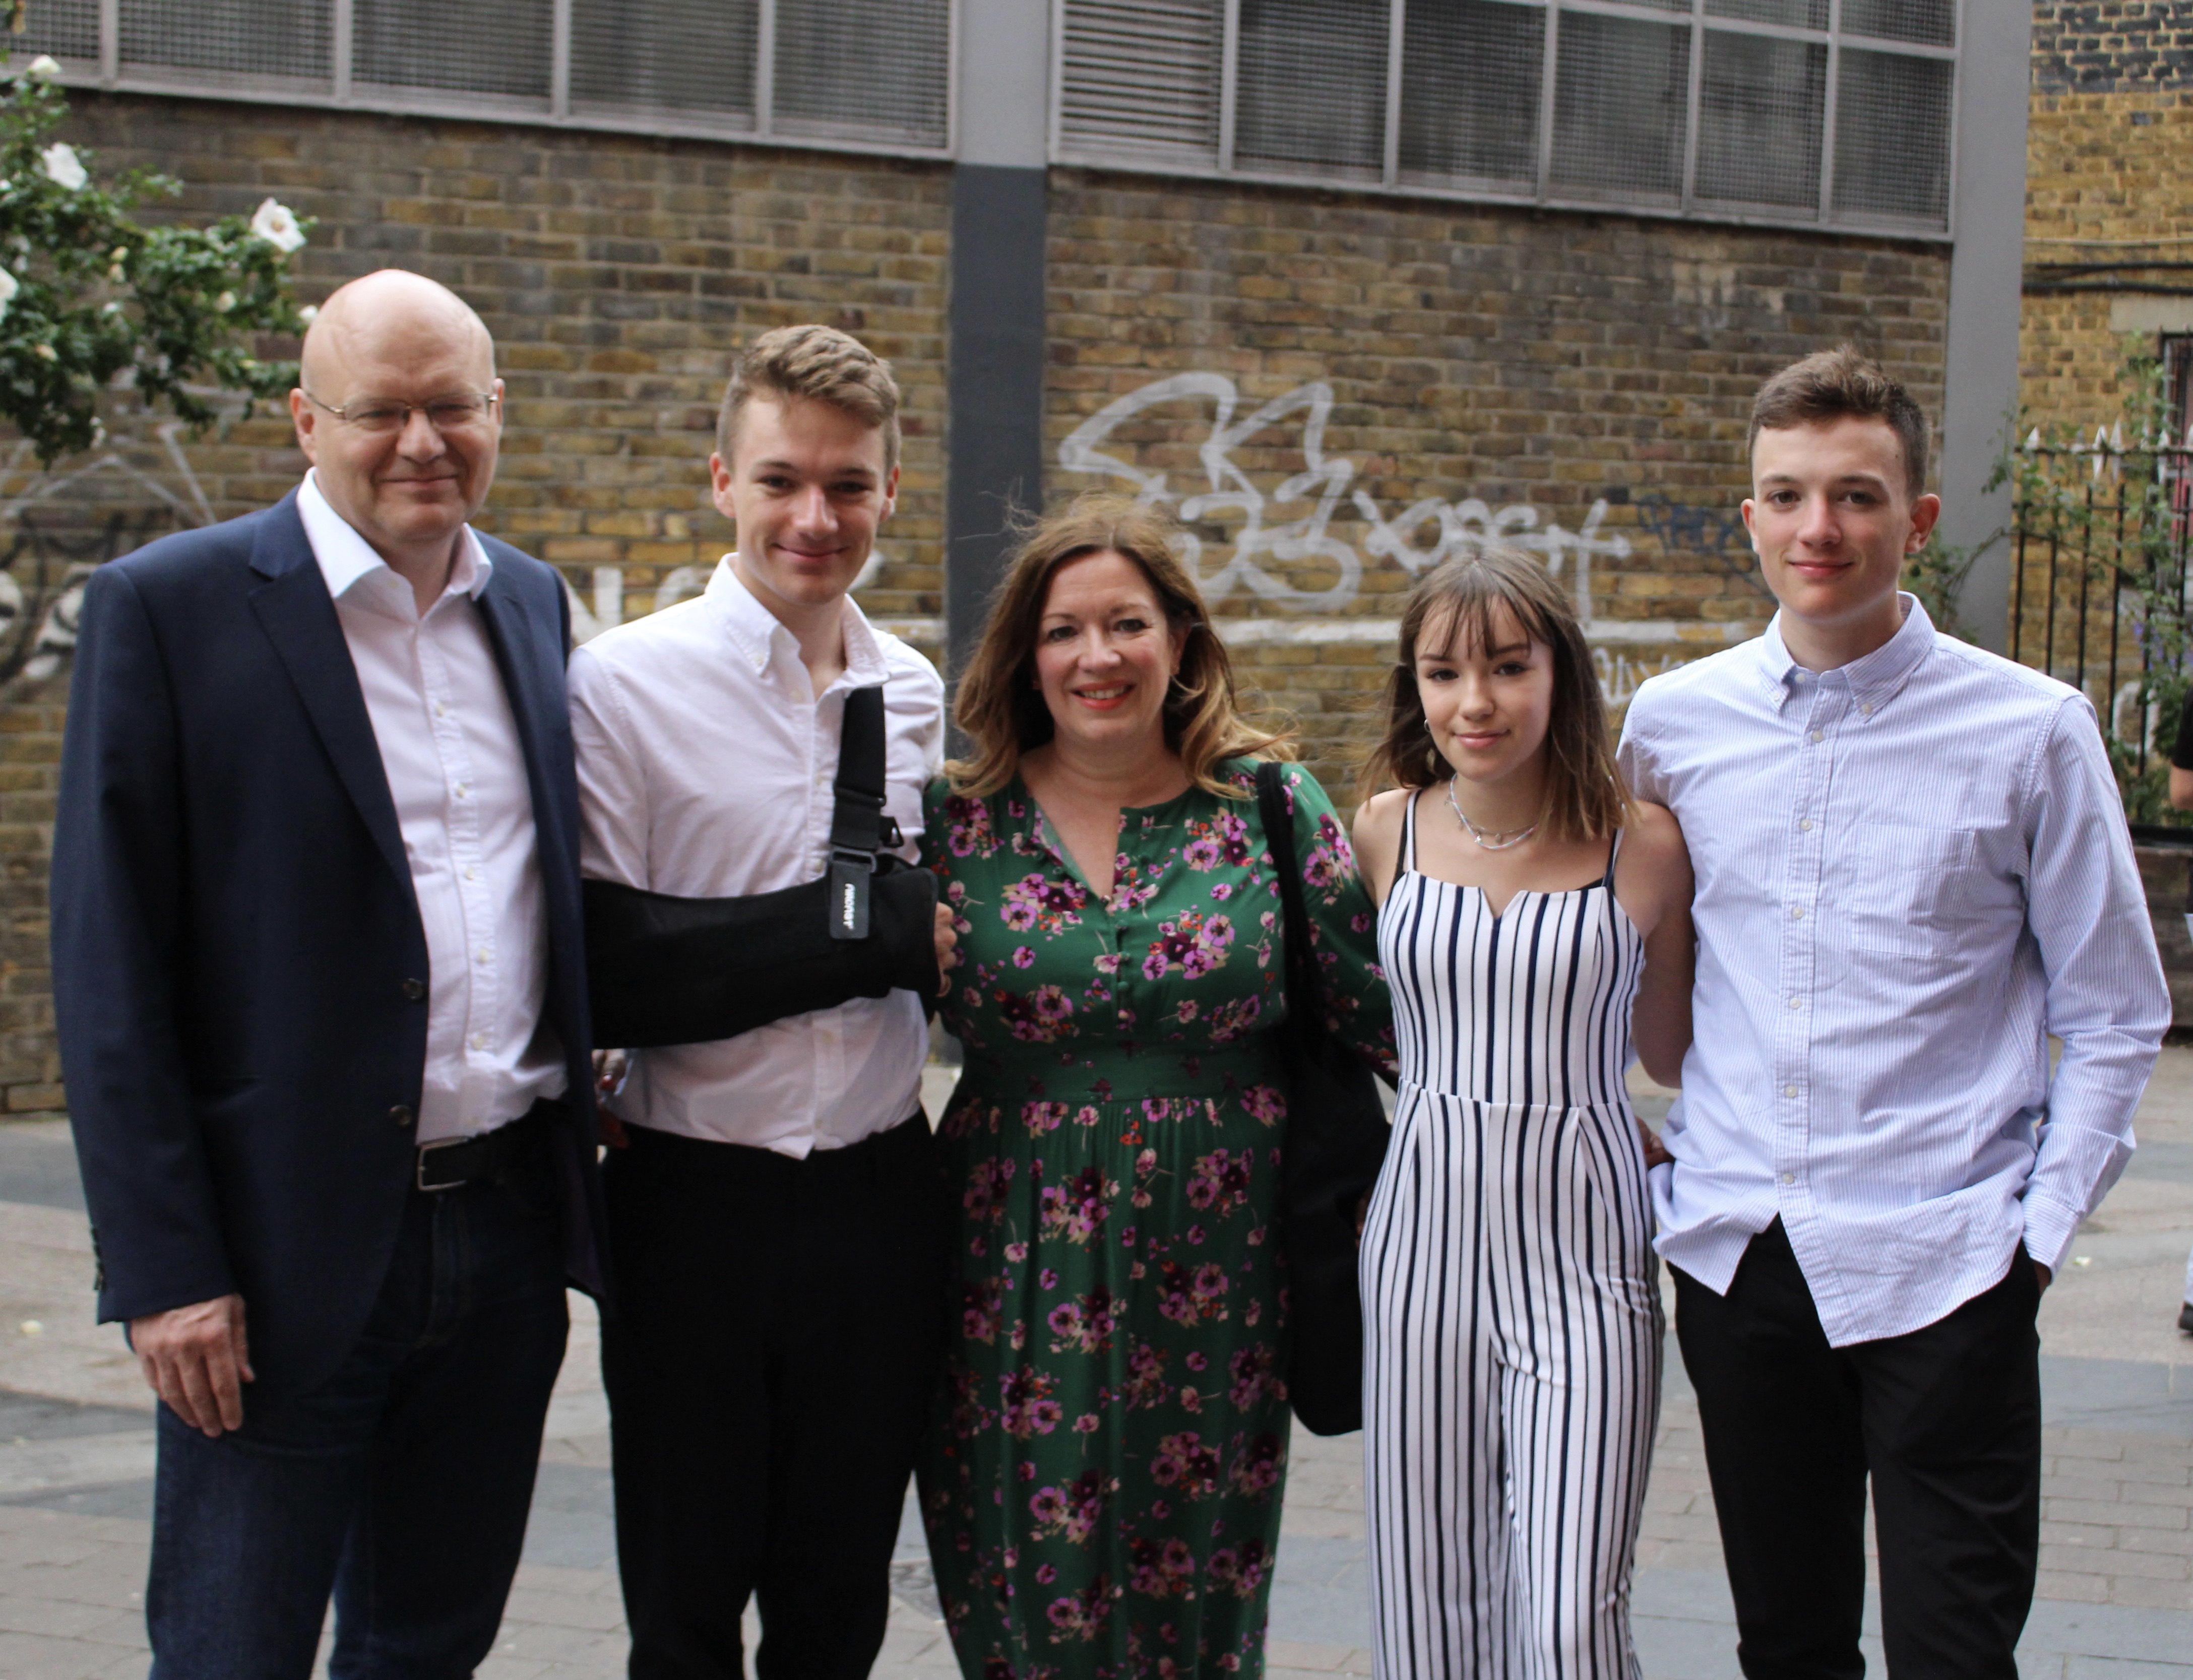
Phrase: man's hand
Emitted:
{"points": [[947, 958], [1656, 1152], [197, 1359], [2045, 1275]]}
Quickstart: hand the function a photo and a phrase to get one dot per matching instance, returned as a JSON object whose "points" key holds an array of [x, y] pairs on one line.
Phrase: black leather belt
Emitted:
{"points": [[450, 1163]]}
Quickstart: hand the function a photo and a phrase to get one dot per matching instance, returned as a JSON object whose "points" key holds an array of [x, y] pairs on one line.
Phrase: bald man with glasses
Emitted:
{"points": [[317, 969]]}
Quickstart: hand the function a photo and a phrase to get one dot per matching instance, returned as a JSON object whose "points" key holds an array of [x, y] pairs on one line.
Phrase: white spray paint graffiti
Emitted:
{"points": [[1458, 527]]}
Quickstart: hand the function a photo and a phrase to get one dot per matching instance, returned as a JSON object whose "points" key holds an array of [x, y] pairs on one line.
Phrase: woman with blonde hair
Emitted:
{"points": [[1534, 920], [1102, 1489]]}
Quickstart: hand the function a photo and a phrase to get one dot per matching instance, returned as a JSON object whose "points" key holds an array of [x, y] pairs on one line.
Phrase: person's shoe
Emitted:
{"points": [[2185, 1317]]}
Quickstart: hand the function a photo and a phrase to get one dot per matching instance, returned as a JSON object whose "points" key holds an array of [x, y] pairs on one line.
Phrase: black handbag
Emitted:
{"points": [[1336, 1143], [665, 970]]}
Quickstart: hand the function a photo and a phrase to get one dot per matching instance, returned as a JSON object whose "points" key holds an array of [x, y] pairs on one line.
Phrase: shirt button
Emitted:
{"points": [[440, 709], [479, 1041], [462, 790], [401, 1116], [1797, 912], [1805, 822], [1789, 1178], [1817, 736], [472, 871], [482, 957], [414, 989], [1788, 1090], [1867, 708], [1796, 1003]]}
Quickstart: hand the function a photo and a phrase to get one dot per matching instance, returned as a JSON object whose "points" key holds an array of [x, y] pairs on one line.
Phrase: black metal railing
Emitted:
{"points": [[2101, 537]]}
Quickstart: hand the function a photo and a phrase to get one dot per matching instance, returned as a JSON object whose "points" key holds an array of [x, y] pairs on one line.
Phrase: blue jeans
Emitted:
{"points": [[402, 1484]]}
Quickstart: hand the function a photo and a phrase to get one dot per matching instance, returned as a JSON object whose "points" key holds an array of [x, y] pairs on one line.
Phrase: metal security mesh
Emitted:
{"points": [[1470, 81], [1761, 104], [1931, 22], [1892, 135], [879, 70], [1796, 14], [1621, 100], [474, 46], [1312, 84], [68, 29], [1141, 76], [692, 57], [243, 38]]}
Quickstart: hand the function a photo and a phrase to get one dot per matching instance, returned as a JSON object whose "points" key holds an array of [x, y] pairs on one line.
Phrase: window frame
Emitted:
{"points": [[1065, 151], [343, 93]]}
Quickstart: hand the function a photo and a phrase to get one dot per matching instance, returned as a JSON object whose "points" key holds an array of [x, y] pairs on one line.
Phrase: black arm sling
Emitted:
{"points": [[665, 970]]}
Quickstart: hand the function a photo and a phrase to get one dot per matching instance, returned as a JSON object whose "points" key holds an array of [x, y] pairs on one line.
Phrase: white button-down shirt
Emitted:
{"points": [[705, 766], [1911, 870], [449, 745]]}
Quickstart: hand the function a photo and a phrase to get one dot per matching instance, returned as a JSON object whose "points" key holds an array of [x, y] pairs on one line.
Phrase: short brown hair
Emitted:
{"points": [[818, 363], [1830, 384], [1586, 798], [999, 706]]}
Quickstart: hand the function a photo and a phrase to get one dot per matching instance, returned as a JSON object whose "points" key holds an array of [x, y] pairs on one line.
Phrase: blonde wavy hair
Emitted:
{"points": [[1003, 712]]}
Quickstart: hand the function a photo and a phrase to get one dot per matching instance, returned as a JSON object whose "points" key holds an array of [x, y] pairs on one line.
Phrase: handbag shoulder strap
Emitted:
{"points": [[1280, 837]]}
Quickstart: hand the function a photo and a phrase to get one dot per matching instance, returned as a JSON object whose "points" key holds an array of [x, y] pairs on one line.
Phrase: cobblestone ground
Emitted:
{"points": [[2115, 1592]]}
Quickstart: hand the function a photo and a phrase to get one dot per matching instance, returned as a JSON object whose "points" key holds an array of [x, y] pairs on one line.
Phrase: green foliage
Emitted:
{"points": [[98, 300]]}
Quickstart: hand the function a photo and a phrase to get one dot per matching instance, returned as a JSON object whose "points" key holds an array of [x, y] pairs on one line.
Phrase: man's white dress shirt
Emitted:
{"points": [[456, 771], [1911, 870], [705, 765]]}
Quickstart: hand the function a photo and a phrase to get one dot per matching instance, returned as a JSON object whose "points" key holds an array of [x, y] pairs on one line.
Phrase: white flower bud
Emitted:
{"points": [[63, 167]]}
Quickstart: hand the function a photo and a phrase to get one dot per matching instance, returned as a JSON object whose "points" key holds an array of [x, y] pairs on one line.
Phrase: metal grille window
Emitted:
{"points": [[864, 75], [1804, 112]]}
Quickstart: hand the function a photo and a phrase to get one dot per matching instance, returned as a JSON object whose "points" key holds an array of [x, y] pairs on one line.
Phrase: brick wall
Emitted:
{"points": [[2111, 128], [1445, 373], [1590, 374], [2106, 46]]}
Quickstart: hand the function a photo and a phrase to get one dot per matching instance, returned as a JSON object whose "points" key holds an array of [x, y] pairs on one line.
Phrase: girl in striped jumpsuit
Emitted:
{"points": [[1534, 922]]}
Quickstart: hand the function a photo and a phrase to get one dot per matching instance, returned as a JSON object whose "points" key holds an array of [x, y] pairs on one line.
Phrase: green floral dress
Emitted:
{"points": [[1101, 1487]]}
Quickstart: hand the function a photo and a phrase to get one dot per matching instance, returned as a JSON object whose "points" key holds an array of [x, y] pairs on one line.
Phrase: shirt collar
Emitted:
{"points": [[1872, 679], [760, 636], [347, 559]]}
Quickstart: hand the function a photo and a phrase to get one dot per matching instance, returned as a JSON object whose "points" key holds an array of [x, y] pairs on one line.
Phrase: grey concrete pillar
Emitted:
{"points": [[994, 419], [1988, 217]]}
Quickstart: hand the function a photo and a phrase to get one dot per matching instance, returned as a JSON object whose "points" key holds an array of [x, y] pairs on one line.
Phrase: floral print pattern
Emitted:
{"points": [[1102, 1489]]}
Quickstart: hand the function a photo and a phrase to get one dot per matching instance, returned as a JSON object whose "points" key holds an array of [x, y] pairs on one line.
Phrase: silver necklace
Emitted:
{"points": [[1497, 840]]}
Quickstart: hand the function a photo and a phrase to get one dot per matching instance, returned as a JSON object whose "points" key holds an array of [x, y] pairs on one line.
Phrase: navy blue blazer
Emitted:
{"points": [[239, 967]]}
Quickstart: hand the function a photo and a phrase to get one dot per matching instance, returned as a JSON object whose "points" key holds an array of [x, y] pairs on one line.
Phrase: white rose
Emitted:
{"points": [[9, 285], [44, 66], [278, 226], [62, 168], [309, 313]]}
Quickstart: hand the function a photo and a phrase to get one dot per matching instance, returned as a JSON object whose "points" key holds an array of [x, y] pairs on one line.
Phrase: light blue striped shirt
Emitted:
{"points": [[1911, 870]]}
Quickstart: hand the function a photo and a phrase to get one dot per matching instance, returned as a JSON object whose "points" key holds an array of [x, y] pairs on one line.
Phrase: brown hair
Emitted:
{"points": [[818, 363], [999, 706], [1830, 384], [1585, 796]]}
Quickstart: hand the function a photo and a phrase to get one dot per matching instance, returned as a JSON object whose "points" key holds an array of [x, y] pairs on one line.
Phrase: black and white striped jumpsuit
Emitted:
{"points": [[1511, 1302]]}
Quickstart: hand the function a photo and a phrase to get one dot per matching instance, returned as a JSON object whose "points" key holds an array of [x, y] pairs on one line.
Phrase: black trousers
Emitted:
{"points": [[778, 1330], [1947, 1422]]}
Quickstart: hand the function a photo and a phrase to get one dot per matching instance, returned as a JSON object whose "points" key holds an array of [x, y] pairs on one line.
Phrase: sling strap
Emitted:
{"points": [[859, 829]]}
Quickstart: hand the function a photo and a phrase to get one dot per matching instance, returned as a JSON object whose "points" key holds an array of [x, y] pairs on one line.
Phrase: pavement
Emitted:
{"points": [[2115, 1592]]}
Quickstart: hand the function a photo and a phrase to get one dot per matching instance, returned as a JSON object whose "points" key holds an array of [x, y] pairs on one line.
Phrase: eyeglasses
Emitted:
{"points": [[385, 414]]}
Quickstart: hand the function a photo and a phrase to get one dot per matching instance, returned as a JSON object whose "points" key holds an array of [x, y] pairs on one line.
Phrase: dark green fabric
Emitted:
{"points": [[1102, 1486]]}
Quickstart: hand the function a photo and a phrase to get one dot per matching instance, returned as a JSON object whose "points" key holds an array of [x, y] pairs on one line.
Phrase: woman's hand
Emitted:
{"points": [[947, 957], [1656, 1152]]}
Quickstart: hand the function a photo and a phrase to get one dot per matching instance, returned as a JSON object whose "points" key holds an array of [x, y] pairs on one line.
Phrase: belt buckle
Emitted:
{"points": [[437, 1145]]}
